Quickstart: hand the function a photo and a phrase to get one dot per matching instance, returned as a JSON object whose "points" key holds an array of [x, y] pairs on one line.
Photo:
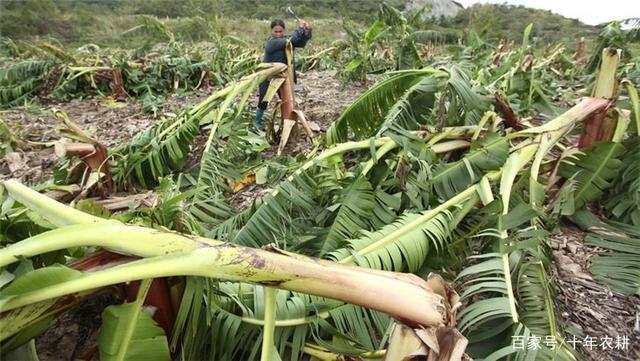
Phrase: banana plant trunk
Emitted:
{"points": [[39, 318], [405, 297], [287, 107], [288, 100], [599, 126]]}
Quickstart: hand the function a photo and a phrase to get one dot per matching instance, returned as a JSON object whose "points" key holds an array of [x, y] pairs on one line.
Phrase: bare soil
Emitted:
{"points": [[322, 97], [74, 335], [110, 124], [589, 309]]}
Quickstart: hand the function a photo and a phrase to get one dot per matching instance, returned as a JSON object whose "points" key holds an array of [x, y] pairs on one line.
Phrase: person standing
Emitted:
{"points": [[274, 52]]}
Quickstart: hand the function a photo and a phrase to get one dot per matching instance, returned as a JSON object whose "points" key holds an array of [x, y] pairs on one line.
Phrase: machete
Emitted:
{"points": [[290, 12]]}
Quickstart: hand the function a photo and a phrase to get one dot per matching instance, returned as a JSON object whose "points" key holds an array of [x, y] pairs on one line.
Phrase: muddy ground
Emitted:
{"points": [[585, 307]]}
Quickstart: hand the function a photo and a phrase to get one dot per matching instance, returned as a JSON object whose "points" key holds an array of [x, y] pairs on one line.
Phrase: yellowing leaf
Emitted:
{"points": [[238, 185]]}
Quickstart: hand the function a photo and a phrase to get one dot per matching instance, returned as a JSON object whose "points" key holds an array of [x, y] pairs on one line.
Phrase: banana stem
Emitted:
{"points": [[113, 236], [635, 103], [402, 296], [55, 212], [269, 323]]}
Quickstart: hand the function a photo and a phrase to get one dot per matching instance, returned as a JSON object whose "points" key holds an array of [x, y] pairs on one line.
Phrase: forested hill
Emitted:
{"points": [[101, 21], [500, 20]]}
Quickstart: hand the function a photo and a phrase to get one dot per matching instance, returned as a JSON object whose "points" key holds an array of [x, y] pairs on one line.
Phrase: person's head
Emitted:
{"points": [[277, 28]]}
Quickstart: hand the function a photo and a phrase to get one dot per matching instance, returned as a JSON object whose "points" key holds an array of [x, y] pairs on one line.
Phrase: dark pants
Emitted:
{"points": [[262, 91]]}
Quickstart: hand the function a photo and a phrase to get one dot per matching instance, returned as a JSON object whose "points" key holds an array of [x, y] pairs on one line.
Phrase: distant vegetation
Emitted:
{"points": [[103, 21], [495, 21]]}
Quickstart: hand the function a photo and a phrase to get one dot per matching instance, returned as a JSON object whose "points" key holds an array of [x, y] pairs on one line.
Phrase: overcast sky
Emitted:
{"points": [[588, 11]]}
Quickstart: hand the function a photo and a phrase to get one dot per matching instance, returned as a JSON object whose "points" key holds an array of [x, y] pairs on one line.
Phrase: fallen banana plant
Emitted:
{"points": [[617, 268], [404, 297], [227, 261], [163, 148], [174, 254], [30, 321], [409, 194], [406, 244]]}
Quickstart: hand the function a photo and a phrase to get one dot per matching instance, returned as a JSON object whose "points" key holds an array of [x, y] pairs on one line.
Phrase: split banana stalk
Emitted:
{"points": [[413, 301]]}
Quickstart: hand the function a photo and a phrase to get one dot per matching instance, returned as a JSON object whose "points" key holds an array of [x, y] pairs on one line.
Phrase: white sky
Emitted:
{"points": [[588, 11]]}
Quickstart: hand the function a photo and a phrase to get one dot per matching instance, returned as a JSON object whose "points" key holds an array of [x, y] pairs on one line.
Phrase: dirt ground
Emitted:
{"points": [[586, 307], [589, 309], [109, 124], [321, 97], [74, 335]]}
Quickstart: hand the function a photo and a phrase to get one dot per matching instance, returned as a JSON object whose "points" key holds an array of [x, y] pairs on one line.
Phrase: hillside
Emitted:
{"points": [[508, 21], [102, 22]]}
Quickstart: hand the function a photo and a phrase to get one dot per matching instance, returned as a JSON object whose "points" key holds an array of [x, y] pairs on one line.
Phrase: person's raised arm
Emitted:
{"points": [[301, 35]]}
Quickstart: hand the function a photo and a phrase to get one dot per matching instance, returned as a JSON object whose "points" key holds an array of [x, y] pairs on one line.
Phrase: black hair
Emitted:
{"points": [[277, 22]]}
